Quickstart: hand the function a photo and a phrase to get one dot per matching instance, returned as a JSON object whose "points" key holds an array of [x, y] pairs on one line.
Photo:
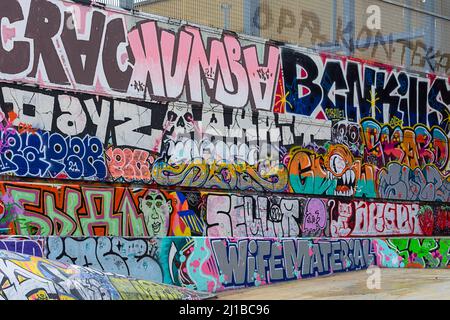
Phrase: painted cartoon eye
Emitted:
{"points": [[158, 204], [171, 116], [337, 164], [188, 117]]}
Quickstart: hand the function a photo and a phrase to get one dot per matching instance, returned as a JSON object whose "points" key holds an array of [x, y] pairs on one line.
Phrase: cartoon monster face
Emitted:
{"points": [[340, 166], [156, 209], [315, 216], [179, 120], [345, 209]]}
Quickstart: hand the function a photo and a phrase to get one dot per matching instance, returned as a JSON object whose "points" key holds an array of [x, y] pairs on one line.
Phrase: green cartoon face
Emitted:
{"points": [[156, 209]]}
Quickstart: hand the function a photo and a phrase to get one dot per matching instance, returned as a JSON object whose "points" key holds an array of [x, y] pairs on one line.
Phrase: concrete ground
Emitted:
{"points": [[395, 284]]}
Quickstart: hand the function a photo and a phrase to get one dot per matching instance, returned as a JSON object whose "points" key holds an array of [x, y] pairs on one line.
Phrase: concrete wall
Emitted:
{"points": [[131, 126], [217, 264], [86, 210], [26, 277]]}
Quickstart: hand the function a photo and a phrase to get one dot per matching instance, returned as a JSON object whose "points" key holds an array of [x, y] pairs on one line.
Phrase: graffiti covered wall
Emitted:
{"points": [[175, 140], [211, 110], [26, 277], [30, 209], [216, 264], [210, 264]]}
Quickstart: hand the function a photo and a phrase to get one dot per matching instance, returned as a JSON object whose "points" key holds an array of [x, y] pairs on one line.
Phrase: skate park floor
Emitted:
{"points": [[394, 284]]}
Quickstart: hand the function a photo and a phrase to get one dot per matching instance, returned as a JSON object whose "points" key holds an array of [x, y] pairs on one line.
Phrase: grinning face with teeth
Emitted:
{"points": [[340, 166]]}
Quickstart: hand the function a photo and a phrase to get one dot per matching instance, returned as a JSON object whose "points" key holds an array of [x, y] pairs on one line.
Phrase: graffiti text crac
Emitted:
{"points": [[162, 65]]}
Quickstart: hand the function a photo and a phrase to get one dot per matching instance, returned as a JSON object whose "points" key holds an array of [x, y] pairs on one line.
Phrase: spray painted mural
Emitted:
{"points": [[87, 210], [24, 277], [208, 160], [413, 252], [212, 264], [216, 148], [216, 264], [212, 111], [59, 44]]}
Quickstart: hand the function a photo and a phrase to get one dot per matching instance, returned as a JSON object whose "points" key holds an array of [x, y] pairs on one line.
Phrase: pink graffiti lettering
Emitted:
{"points": [[129, 164]]}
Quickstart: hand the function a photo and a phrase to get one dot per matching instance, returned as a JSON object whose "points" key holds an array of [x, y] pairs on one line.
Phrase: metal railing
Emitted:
{"points": [[414, 34], [125, 4]]}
